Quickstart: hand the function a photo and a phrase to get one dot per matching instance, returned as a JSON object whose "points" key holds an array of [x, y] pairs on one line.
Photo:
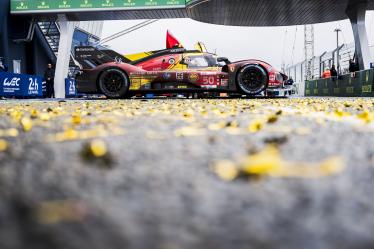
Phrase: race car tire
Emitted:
{"points": [[252, 79], [114, 83]]}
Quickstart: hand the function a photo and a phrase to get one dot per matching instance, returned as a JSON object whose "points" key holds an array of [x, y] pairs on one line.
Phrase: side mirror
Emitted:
{"points": [[223, 59]]}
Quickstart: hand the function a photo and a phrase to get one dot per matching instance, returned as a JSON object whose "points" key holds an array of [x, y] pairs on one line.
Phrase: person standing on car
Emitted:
{"points": [[49, 76]]}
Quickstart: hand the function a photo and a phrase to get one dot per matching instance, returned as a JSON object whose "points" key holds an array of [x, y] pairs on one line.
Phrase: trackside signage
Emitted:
{"points": [[37, 6], [70, 88], [20, 85]]}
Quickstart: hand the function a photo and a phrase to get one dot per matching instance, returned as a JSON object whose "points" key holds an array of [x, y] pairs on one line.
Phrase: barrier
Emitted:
{"points": [[20, 85], [360, 84]]}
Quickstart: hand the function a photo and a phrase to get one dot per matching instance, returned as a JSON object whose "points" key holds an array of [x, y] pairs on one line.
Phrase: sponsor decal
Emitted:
{"points": [[366, 89], [179, 76], [177, 50], [224, 82], [193, 77], [20, 85], [208, 73], [71, 88], [171, 61], [86, 49], [232, 69], [166, 76], [210, 87], [14, 82], [33, 86], [117, 60]]}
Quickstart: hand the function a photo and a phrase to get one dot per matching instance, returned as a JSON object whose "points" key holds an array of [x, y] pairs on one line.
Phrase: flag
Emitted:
{"points": [[172, 42]]}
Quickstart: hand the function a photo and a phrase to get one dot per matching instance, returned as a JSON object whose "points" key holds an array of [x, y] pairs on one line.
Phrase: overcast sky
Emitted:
{"points": [[272, 44]]}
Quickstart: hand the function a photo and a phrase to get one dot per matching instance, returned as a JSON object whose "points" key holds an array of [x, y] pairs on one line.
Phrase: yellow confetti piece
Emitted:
{"points": [[188, 114], [3, 145], [189, 132], [71, 134], [329, 167], [256, 126], [340, 113], [16, 115], [26, 124], [234, 131], [34, 114], [54, 212], [365, 116], [98, 148], [12, 132], [76, 119], [217, 126], [44, 117], [226, 170], [262, 163], [269, 162]]}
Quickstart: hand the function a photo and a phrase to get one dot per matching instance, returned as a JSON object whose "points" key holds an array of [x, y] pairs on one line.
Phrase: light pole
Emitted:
{"points": [[337, 48]]}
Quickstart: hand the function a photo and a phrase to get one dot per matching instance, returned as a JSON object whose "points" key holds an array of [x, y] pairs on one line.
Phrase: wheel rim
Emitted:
{"points": [[112, 82], [252, 79]]}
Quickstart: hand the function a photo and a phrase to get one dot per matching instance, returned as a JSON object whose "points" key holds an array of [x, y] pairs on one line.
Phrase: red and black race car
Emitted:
{"points": [[174, 69]]}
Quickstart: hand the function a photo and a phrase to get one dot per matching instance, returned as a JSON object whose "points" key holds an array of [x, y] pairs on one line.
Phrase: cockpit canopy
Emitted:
{"points": [[202, 60]]}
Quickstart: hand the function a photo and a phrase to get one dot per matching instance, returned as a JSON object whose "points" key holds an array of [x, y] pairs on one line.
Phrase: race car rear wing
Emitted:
{"points": [[90, 57]]}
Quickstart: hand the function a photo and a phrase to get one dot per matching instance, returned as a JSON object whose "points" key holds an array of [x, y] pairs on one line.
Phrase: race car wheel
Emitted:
{"points": [[252, 79], [114, 83]]}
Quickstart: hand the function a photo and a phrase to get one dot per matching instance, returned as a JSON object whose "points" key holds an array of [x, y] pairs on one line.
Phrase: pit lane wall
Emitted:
{"points": [[359, 84]]}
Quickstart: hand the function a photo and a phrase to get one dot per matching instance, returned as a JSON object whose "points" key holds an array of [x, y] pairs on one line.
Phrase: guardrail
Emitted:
{"points": [[359, 84]]}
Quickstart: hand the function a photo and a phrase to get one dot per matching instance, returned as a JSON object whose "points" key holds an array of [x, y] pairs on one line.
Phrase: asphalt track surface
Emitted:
{"points": [[181, 174]]}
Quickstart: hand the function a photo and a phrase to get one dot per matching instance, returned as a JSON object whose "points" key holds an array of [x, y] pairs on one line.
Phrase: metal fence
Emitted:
{"points": [[325, 60]]}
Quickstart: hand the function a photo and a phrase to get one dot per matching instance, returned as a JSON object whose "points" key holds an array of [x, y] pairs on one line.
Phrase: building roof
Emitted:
{"points": [[224, 12], [270, 12]]}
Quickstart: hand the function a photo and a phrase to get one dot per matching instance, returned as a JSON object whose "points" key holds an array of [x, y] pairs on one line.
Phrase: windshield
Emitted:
{"points": [[200, 61]]}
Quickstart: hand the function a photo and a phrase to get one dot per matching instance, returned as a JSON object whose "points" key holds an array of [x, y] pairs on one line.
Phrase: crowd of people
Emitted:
{"points": [[333, 73]]}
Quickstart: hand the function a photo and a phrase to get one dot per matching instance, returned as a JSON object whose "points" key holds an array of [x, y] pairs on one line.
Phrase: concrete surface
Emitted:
{"points": [[155, 187]]}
